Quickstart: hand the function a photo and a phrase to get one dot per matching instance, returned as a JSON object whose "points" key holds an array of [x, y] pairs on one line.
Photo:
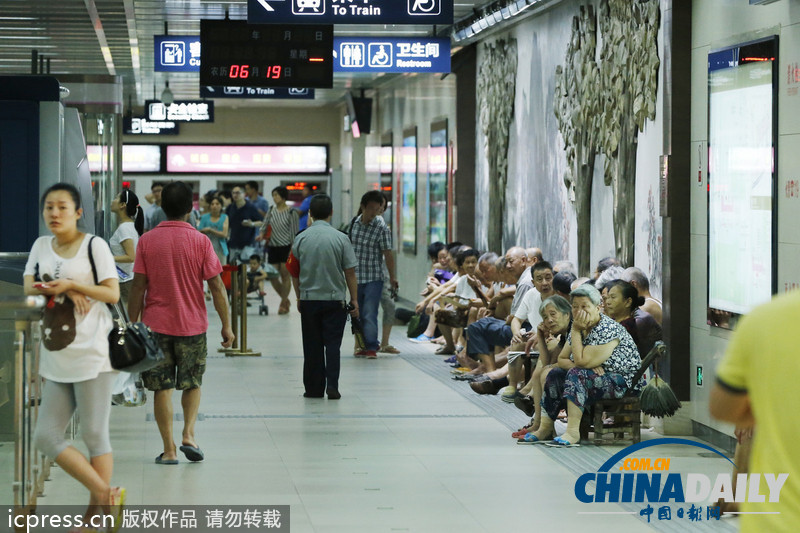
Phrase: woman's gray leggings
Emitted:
{"points": [[91, 398]]}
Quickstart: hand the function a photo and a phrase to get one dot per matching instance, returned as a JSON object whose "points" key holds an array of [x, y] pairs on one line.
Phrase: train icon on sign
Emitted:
{"points": [[424, 7], [173, 53], [293, 91], [308, 7]]}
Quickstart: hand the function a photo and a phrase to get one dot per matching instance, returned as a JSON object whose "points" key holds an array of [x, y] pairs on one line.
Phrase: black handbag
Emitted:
{"points": [[132, 346]]}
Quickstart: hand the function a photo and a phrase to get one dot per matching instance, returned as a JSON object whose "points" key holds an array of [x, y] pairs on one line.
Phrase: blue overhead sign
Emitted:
{"points": [[377, 54], [176, 53], [350, 11], [286, 93]]}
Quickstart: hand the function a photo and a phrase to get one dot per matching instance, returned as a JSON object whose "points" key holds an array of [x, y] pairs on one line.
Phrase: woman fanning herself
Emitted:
{"points": [[281, 225], [74, 352], [598, 361], [123, 243]]}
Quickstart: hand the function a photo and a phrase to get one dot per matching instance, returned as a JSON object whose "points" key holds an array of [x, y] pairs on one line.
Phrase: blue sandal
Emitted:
{"points": [[530, 438], [558, 442]]}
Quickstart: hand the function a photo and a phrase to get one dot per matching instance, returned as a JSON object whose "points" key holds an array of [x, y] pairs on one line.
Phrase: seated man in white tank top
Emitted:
{"points": [[636, 277]]}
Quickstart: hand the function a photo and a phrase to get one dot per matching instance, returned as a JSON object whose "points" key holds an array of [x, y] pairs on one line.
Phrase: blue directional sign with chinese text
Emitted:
{"points": [[350, 11], [285, 93], [377, 54], [176, 53]]}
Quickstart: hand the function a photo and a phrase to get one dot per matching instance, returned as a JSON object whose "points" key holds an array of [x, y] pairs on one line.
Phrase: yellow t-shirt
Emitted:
{"points": [[763, 359]]}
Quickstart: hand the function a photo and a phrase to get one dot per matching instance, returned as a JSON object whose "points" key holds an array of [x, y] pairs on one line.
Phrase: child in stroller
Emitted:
{"points": [[255, 282]]}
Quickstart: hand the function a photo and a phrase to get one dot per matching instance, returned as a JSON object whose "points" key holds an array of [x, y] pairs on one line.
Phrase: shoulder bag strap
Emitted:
{"points": [[117, 311]]}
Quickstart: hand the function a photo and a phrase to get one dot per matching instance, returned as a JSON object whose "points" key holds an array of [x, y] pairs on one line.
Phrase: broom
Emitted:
{"points": [[657, 398]]}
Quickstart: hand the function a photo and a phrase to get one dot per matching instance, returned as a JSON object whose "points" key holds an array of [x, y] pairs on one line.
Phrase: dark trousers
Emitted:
{"points": [[323, 326]]}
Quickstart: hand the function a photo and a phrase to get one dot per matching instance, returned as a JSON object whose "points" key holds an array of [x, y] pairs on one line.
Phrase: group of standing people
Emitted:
{"points": [[162, 272]]}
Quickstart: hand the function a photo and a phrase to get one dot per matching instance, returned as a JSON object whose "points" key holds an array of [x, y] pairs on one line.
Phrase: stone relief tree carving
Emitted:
{"points": [[629, 77], [496, 88], [577, 101], [602, 109]]}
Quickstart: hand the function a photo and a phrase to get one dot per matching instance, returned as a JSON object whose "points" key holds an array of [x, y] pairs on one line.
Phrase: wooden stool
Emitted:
{"points": [[627, 411]]}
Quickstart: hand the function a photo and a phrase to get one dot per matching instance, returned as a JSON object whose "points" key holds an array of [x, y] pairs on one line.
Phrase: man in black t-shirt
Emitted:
{"points": [[244, 218]]}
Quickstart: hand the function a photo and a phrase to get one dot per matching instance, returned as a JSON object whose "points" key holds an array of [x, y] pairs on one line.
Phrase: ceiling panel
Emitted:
{"points": [[63, 31]]}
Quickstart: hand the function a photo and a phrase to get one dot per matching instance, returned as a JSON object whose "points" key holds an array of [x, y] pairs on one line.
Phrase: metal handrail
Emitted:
{"points": [[31, 468], [16, 303]]}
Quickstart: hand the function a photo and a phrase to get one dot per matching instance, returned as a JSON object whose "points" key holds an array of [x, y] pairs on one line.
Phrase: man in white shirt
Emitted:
{"points": [[636, 277], [528, 311], [486, 333]]}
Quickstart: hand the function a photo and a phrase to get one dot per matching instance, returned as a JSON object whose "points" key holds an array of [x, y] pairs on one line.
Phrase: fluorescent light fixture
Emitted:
{"points": [[25, 37]]}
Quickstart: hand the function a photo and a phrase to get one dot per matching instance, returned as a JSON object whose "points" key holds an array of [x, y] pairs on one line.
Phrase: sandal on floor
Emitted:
{"points": [[161, 461], [530, 438], [558, 442], [444, 350], [389, 349], [117, 499]]}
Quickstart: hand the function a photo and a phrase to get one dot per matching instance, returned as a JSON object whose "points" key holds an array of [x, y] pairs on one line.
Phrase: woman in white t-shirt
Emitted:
{"points": [[74, 352], [123, 243]]}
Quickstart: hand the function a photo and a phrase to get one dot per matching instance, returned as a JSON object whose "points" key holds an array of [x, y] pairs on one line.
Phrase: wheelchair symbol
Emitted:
{"points": [[378, 56], [424, 7]]}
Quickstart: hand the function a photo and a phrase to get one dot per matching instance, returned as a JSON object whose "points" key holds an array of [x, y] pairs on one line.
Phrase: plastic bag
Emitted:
{"points": [[128, 390]]}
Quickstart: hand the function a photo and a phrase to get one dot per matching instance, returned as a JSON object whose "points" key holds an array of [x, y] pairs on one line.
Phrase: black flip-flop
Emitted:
{"points": [[192, 453], [161, 461]]}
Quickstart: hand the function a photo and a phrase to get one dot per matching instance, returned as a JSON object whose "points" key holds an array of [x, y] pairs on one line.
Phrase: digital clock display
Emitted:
{"points": [[237, 54]]}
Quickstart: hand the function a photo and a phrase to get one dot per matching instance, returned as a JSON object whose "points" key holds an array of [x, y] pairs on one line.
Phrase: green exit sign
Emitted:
{"points": [[699, 375]]}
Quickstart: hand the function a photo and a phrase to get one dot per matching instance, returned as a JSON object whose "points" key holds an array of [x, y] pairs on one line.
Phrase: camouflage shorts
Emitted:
{"points": [[183, 366]]}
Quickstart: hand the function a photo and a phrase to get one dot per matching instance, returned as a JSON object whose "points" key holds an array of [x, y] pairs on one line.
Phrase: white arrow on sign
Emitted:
{"points": [[266, 5]]}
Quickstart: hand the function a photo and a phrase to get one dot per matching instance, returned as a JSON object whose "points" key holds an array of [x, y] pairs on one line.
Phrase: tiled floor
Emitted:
{"points": [[405, 449]]}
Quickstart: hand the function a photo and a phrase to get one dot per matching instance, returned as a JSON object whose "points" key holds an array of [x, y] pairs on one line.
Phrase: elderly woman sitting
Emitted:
{"points": [[551, 336], [598, 361]]}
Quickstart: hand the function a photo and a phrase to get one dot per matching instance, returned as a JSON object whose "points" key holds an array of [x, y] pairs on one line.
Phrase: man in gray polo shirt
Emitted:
{"points": [[323, 268]]}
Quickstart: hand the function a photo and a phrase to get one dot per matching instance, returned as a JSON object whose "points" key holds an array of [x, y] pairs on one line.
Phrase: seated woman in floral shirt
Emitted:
{"points": [[598, 361]]}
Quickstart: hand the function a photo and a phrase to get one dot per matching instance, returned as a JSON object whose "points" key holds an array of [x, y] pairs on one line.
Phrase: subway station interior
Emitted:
{"points": [[585, 128]]}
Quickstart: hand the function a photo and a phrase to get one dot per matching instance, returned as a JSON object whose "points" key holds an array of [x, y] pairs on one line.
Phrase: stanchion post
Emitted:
{"points": [[234, 288], [239, 309]]}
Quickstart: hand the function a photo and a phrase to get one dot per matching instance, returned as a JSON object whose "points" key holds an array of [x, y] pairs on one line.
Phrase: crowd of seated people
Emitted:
{"points": [[583, 337]]}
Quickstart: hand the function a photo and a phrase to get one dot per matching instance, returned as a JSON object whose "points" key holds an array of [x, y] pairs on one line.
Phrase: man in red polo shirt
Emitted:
{"points": [[172, 261]]}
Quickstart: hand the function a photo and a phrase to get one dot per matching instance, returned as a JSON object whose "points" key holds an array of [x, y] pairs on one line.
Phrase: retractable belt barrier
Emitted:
{"points": [[238, 290]]}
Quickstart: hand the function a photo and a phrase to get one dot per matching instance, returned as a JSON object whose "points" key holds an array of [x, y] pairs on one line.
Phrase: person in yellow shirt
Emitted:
{"points": [[756, 384]]}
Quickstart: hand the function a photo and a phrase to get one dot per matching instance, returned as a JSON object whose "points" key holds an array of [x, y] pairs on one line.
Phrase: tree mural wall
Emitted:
{"points": [[496, 88], [577, 100], [629, 78], [601, 108]]}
